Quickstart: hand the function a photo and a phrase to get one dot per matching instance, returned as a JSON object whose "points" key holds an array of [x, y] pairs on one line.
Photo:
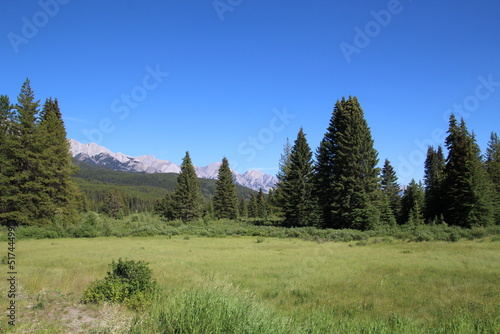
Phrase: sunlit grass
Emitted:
{"points": [[427, 283]]}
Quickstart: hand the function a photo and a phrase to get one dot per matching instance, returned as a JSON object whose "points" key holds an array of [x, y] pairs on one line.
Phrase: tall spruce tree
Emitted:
{"points": [[60, 194], [25, 186], [412, 204], [297, 185], [5, 162], [166, 207], [283, 167], [467, 187], [433, 179], [492, 163], [253, 207], [225, 202], [187, 198], [261, 203], [113, 203], [243, 208], [391, 193], [346, 174]]}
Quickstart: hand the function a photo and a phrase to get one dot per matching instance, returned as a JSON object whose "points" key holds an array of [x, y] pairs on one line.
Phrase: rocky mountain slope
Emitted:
{"points": [[101, 156]]}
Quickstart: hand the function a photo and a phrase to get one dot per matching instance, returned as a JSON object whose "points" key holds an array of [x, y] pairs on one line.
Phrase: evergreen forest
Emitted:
{"points": [[339, 185]]}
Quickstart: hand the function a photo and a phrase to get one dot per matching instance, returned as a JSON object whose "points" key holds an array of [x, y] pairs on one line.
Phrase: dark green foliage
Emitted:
{"points": [[253, 207], [224, 201], [5, 162], [387, 216], [140, 192], [146, 224], [165, 207], [60, 193], [412, 204], [434, 177], [113, 203], [129, 282], [261, 204], [296, 185], [283, 167], [187, 197], [23, 153], [346, 176], [492, 163], [274, 202], [467, 187], [391, 198], [242, 208], [35, 182]]}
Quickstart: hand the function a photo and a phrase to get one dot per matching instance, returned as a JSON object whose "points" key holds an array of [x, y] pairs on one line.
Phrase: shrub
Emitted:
{"points": [[35, 232], [129, 282], [91, 218]]}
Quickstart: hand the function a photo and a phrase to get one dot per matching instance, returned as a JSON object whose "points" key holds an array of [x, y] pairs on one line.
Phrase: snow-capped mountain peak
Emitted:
{"points": [[101, 156]]}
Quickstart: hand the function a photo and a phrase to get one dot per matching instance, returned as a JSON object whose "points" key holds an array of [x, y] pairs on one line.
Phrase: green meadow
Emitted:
{"points": [[260, 285]]}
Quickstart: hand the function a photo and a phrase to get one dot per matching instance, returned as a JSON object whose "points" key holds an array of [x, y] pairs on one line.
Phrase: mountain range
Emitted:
{"points": [[101, 156]]}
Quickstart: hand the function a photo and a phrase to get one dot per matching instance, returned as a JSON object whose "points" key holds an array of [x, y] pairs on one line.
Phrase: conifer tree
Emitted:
{"points": [[253, 207], [390, 192], [412, 204], [187, 198], [166, 208], [5, 162], [60, 194], [467, 187], [113, 203], [225, 202], [387, 216], [243, 208], [297, 185], [346, 174], [492, 163], [25, 186], [273, 203], [283, 166], [261, 203], [433, 177]]}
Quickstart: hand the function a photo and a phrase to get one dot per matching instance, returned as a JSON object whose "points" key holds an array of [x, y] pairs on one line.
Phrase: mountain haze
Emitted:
{"points": [[101, 156]]}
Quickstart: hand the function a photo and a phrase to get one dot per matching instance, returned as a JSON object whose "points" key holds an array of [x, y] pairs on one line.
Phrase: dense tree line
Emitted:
{"points": [[35, 162], [338, 186], [343, 188], [187, 203]]}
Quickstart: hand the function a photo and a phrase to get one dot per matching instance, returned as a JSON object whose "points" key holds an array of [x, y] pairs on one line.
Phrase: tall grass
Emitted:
{"points": [[210, 308], [221, 308], [374, 285]]}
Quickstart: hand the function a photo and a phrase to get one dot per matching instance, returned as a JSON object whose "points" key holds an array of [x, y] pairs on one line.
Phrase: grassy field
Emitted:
{"points": [[375, 286]]}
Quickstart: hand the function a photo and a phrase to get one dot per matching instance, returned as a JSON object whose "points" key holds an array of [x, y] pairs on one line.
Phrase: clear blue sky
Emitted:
{"points": [[236, 78]]}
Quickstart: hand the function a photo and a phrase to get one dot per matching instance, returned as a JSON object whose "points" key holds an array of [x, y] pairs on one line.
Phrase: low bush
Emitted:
{"points": [[129, 282], [145, 224]]}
